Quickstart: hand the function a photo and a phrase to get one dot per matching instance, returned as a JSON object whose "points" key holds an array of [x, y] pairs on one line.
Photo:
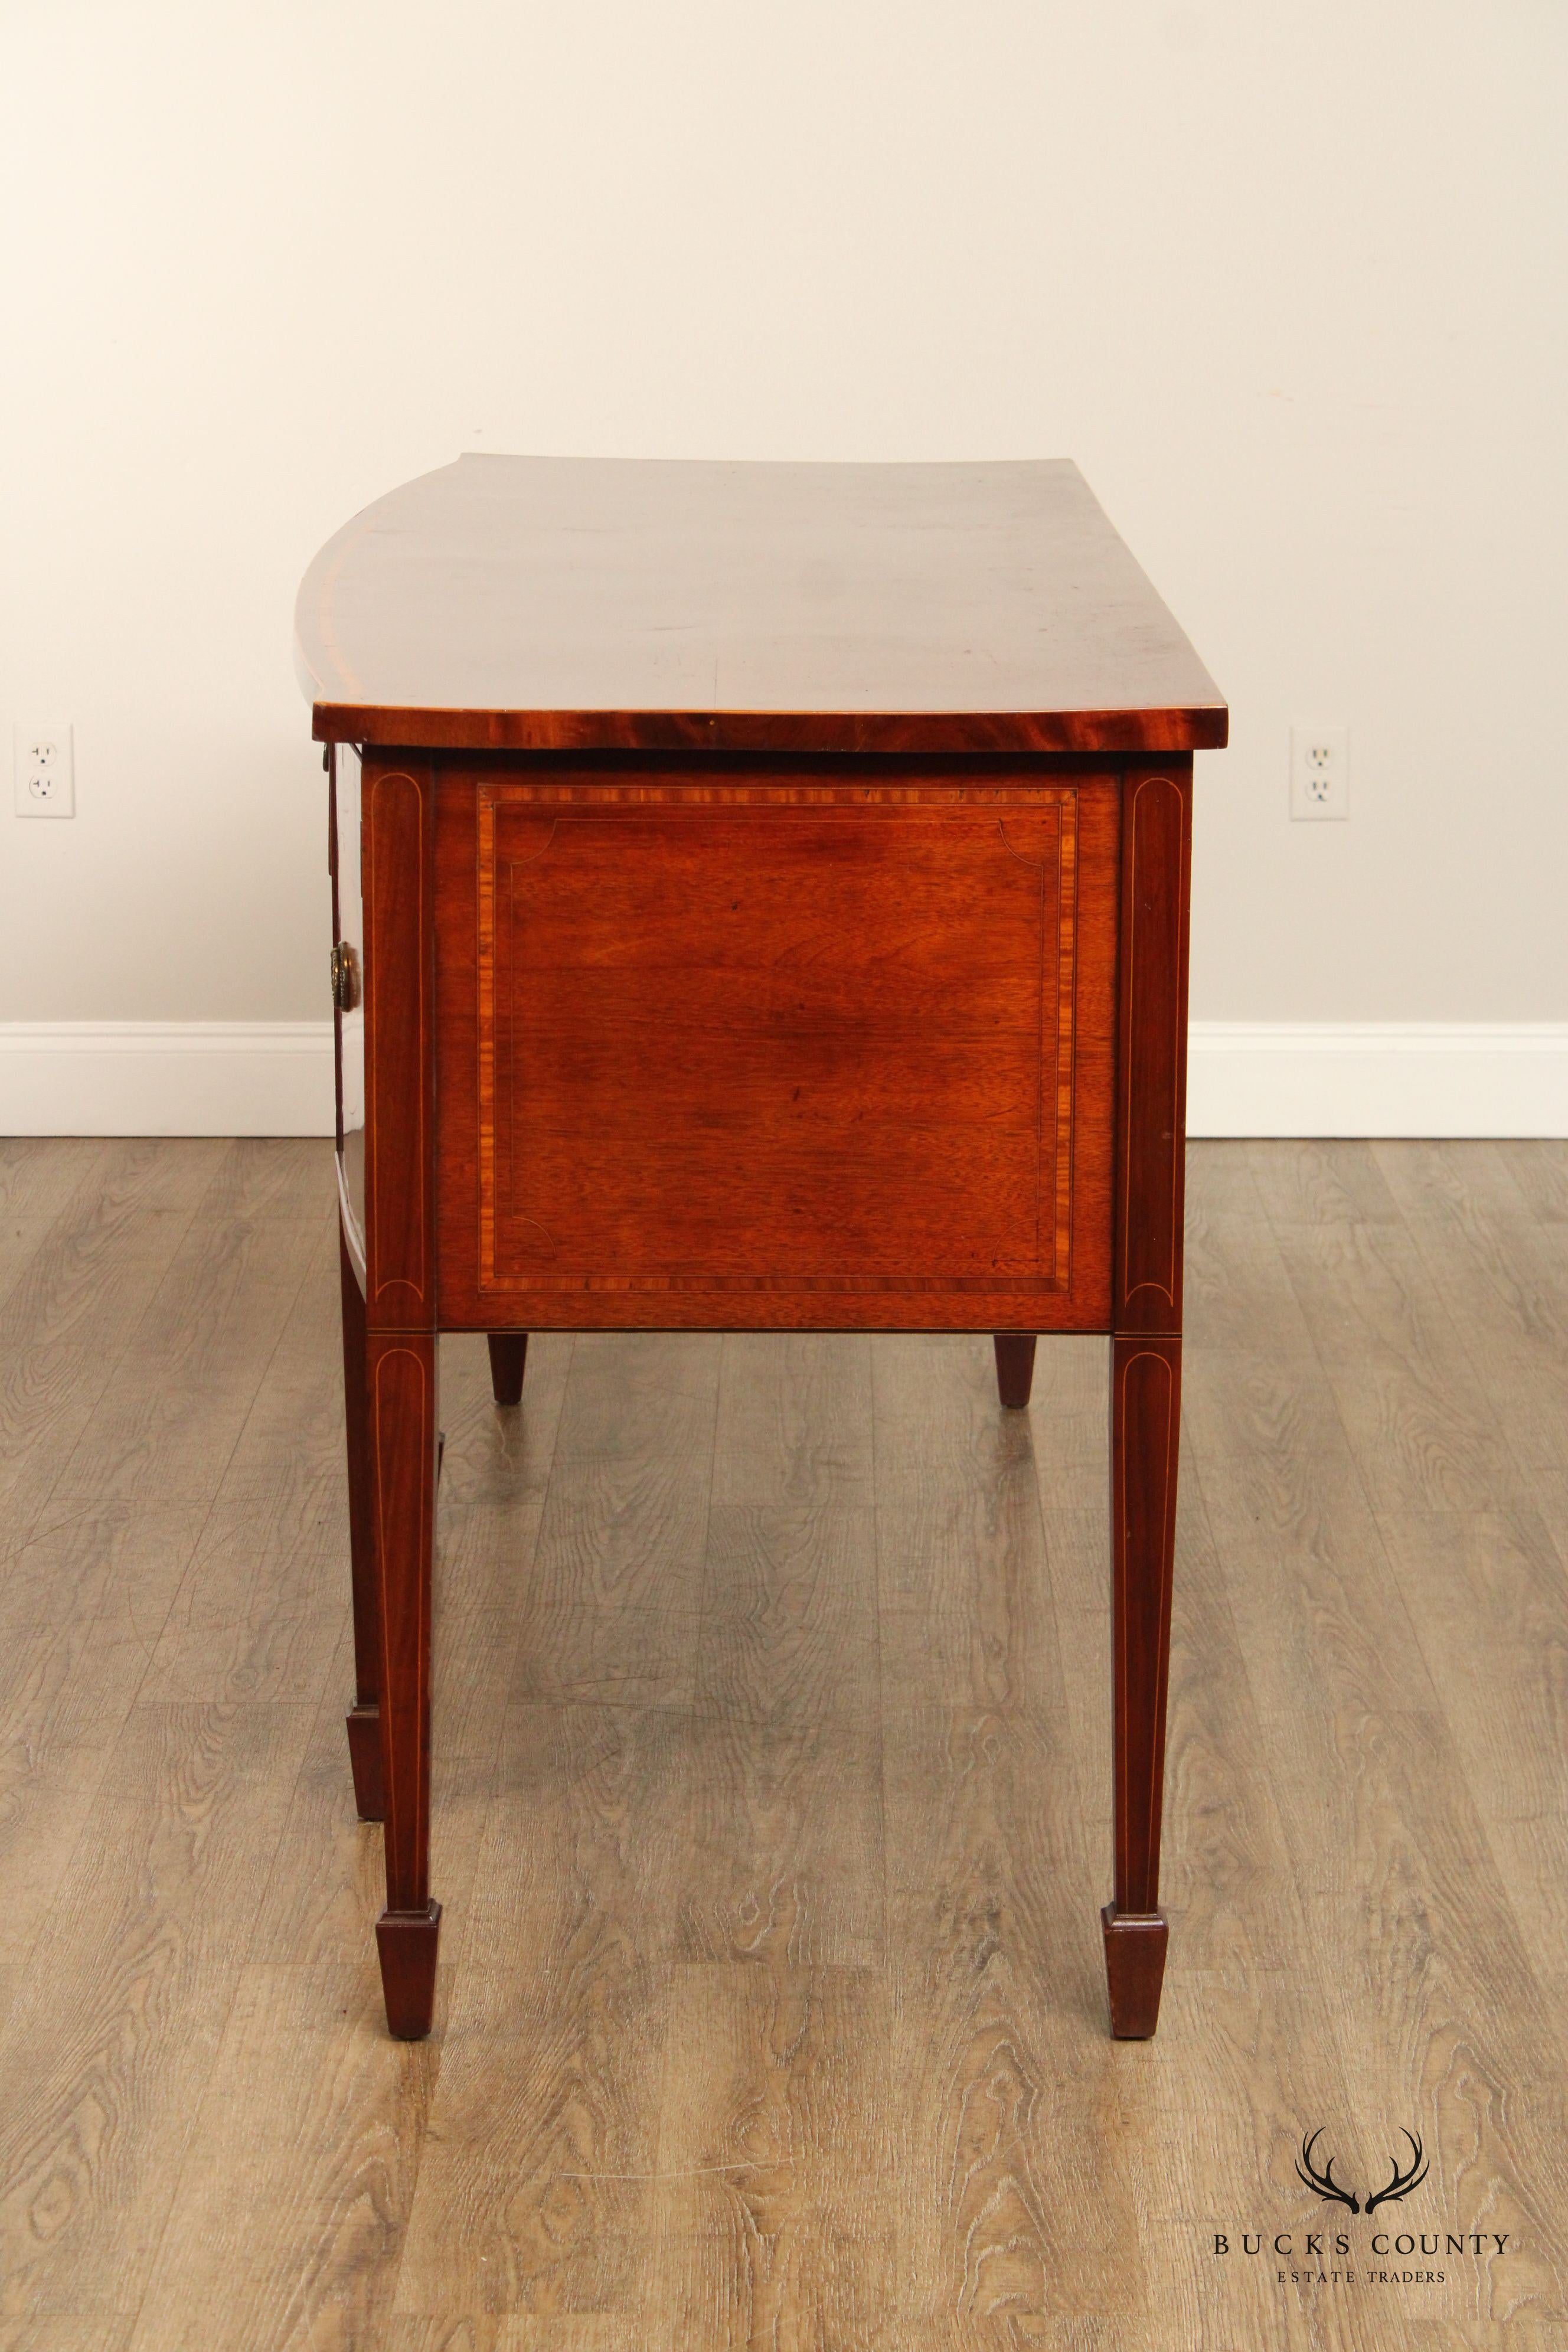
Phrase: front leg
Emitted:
{"points": [[364, 1716], [1146, 1358], [403, 1446], [397, 856], [1145, 1423]]}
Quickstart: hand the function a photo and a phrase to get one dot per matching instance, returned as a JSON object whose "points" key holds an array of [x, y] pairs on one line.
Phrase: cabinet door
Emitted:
{"points": [[348, 990], [824, 1054]]}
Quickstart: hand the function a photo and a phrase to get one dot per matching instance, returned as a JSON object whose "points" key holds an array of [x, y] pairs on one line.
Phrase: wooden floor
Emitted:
{"points": [[771, 1802]]}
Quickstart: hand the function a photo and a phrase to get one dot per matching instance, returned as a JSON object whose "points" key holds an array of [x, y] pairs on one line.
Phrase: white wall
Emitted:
{"points": [[1284, 276]]}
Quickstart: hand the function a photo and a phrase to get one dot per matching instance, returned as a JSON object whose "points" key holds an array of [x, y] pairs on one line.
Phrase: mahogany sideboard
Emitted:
{"points": [[759, 900]]}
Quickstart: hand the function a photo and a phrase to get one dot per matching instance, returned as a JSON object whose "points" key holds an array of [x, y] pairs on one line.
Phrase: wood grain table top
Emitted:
{"points": [[603, 603]]}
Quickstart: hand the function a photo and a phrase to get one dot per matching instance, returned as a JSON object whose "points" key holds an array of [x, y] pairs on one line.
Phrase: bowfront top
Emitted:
{"points": [[578, 602]]}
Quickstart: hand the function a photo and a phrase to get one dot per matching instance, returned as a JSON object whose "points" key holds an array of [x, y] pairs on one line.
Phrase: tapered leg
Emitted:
{"points": [[364, 1716], [1015, 1368], [403, 1439], [508, 1354], [1145, 1421]]}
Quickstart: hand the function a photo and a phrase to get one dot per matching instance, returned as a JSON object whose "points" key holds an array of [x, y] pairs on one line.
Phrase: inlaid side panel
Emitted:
{"points": [[1151, 1075], [399, 835], [742, 1056]]}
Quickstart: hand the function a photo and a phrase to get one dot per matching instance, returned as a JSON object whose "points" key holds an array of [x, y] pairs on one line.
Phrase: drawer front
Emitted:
{"points": [[795, 1052]]}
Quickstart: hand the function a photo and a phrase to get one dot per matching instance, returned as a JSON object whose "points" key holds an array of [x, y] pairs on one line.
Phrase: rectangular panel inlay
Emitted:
{"points": [[805, 1040]]}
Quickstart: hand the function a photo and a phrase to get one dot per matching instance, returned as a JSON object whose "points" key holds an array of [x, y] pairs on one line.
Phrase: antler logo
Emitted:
{"points": [[1400, 2184], [1323, 2182]]}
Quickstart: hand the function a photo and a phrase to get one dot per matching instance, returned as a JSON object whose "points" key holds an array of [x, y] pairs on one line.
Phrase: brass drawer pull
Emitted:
{"points": [[346, 988]]}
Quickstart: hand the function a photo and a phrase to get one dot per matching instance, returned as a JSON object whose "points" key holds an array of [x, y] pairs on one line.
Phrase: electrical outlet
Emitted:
{"points": [[1319, 772], [46, 779]]}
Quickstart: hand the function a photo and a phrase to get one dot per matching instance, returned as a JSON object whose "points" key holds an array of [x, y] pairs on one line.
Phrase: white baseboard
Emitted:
{"points": [[166, 1078], [1378, 1077], [1245, 1078]]}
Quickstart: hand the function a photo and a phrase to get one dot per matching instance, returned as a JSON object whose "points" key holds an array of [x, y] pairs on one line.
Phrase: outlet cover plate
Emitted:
{"points": [[44, 768], [1320, 772]]}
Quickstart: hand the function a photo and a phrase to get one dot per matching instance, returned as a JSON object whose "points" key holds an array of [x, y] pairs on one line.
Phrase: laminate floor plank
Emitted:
{"points": [[963, 1597], [110, 2042], [39, 1173], [498, 1454], [21, 1240], [1005, 2085], [75, 1309], [1503, 1280], [778, 2171], [121, 1211], [93, 1584], [1070, 1421], [1211, 2165], [1549, 1498], [495, 1476], [789, 1621], [79, 1560], [67, 2332], [629, 1393], [209, 1330], [1424, 1971], [101, 1588], [535, 2192], [486, 1555], [326, 1883], [1487, 2336], [258, 1612], [941, 1429], [1077, 1569], [965, 1615], [1237, 2305], [574, 1656], [783, 1841], [303, 2250], [1488, 1596], [1540, 1170], [1311, 1591], [293, 1430], [1386, 1867], [1176, 2327], [1325, 1182], [515, 2332], [1230, 1889], [610, 1611], [794, 1419], [1236, 1289], [1424, 1438], [784, 1860], [1074, 1521]]}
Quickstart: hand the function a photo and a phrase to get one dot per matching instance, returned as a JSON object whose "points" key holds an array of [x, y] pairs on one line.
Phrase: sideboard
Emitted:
{"points": [[760, 903]]}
